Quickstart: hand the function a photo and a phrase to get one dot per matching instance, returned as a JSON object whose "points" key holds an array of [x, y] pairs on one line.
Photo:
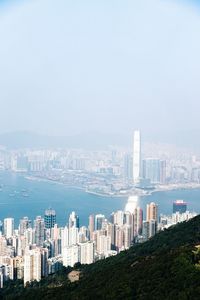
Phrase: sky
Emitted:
{"points": [[71, 66]]}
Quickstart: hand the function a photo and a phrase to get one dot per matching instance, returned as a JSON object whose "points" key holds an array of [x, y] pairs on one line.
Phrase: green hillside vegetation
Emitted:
{"points": [[165, 267]]}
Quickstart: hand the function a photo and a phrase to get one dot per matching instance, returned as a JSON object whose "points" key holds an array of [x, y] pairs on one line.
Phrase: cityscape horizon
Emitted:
{"points": [[99, 150]]}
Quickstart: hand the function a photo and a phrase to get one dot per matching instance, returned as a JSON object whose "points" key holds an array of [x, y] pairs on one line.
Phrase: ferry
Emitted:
{"points": [[25, 195]]}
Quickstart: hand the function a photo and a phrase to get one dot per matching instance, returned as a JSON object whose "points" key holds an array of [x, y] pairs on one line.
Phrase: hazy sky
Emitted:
{"points": [[68, 67]]}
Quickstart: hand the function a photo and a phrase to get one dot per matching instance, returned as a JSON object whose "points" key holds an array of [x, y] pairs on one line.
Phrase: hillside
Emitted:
{"points": [[166, 267]]}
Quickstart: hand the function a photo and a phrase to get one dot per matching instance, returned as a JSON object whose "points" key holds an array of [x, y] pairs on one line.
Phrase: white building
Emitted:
{"points": [[8, 227], [32, 266], [71, 255], [103, 244], [118, 218], [86, 253], [73, 236], [64, 238]]}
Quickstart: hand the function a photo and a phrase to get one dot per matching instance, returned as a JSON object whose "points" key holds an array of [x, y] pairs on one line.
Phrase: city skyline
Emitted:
{"points": [[99, 149], [33, 252]]}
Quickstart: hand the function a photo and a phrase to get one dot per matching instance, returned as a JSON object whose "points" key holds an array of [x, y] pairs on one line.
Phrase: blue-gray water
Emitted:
{"points": [[43, 194]]}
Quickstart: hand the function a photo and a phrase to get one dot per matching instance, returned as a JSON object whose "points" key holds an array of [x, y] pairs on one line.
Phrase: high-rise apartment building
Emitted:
{"points": [[103, 244], [24, 224], [127, 236], [91, 224], [71, 255], [8, 227], [86, 252], [32, 266], [64, 238], [39, 231], [152, 212], [138, 219], [73, 236], [73, 220], [118, 218]]}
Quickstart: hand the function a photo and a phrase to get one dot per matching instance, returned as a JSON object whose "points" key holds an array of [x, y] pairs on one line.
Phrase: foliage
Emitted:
{"points": [[165, 267]]}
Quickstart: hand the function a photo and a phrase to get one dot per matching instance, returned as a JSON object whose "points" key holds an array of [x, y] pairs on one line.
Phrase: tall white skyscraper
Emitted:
{"points": [[32, 266], [8, 227], [136, 156]]}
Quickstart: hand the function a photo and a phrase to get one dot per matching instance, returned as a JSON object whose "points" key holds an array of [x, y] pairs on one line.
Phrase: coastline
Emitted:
{"points": [[136, 192], [35, 178]]}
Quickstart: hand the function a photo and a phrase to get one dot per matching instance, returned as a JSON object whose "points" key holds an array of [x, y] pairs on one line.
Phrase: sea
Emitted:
{"points": [[21, 196]]}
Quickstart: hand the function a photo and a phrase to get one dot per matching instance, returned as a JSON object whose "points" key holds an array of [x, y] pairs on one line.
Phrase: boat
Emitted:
{"points": [[25, 195]]}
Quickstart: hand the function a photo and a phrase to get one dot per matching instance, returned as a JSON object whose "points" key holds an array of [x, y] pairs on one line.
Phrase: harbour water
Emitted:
{"points": [[20, 196]]}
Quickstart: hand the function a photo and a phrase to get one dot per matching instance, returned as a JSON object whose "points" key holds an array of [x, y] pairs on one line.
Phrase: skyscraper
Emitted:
{"points": [[163, 171], [138, 219], [99, 221], [152, 212], [8, 227], [32, 266], [24, 224], [151, 169], [154, 170], [73, 220], [50, 218], [39, 231], [91, 224], [128, 167], [136, 156]]}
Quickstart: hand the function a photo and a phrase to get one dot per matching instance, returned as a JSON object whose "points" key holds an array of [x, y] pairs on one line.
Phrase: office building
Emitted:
{"points": [[154, 170], [99, 219], [179, 206], [50, 218]]}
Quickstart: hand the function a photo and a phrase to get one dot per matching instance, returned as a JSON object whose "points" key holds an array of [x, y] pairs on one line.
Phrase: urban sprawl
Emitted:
{"points": [[35, 250]]}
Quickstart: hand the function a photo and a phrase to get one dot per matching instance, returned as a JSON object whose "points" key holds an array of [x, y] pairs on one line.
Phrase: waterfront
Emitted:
{"points": [[21, 197]]}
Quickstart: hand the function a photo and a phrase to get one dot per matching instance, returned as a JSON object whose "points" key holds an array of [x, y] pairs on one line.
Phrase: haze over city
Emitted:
{"points": [[74, 67], [99, 149]]}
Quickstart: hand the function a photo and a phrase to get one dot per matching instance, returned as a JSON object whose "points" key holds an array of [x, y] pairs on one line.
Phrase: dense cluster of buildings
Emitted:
{"points": [[33, 251], [36, 249], [112, 171]]}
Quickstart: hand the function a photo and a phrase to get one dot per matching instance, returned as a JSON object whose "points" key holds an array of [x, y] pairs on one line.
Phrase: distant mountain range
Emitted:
{"points": [[96, 140], [16, 140]]}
